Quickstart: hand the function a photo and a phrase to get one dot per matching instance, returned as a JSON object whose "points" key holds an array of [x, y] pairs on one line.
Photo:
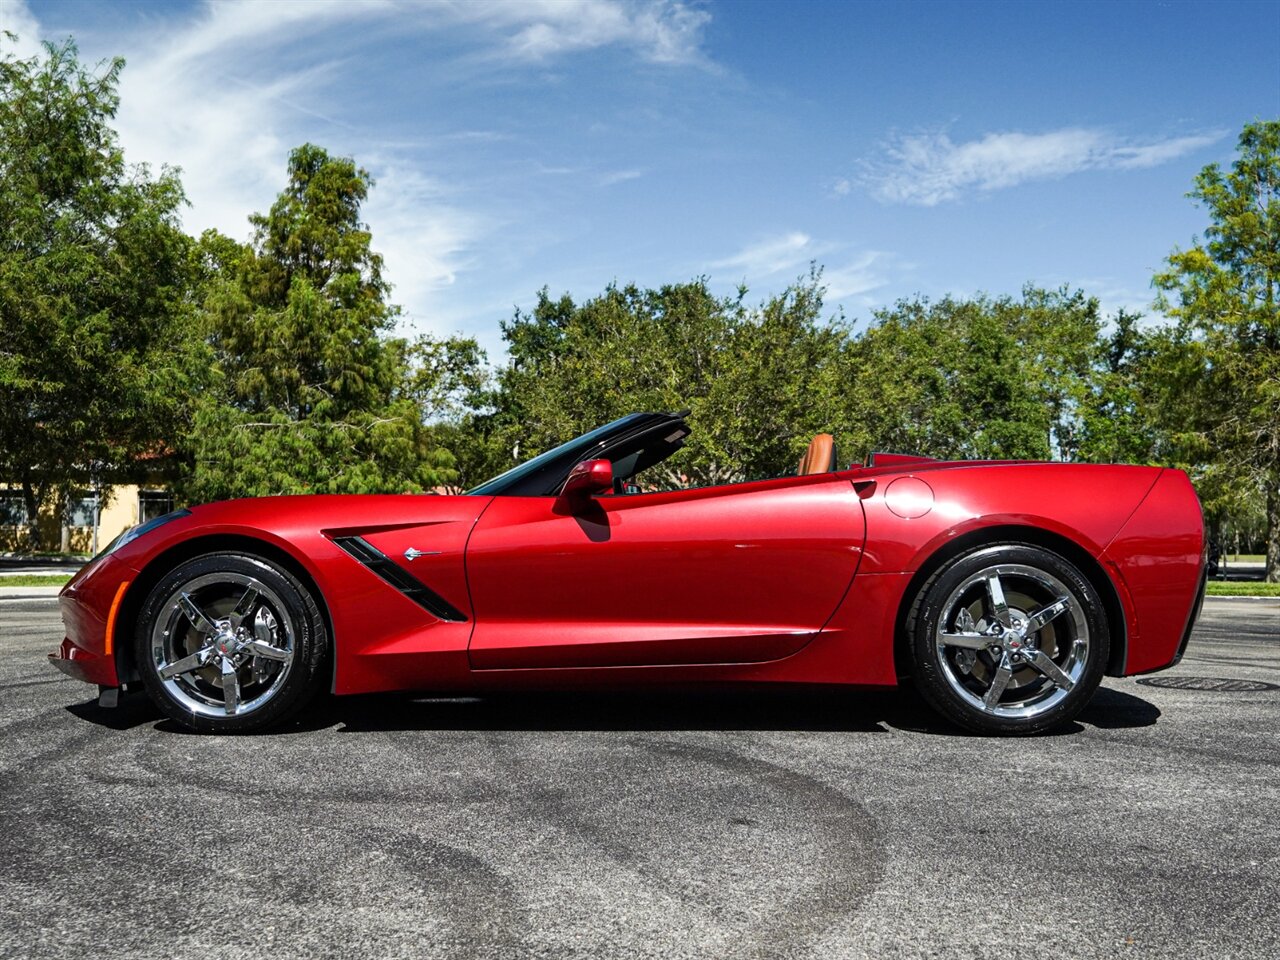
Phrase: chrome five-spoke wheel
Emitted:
{"points": [[223, 645], [230, 642], [1013, 640], [1009, 638]]}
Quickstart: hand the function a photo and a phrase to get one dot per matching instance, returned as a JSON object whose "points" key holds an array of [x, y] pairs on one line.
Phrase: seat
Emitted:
{"points": [[820, 457]]}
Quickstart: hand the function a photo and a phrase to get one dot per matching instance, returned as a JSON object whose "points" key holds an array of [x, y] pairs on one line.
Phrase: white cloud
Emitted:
{"points": [[1140, 156], [665, 31], [424, 240], [788, 255], [772, 255], [857, 277], [619, 176], [224, 93], [928, 169], [17, 19]]}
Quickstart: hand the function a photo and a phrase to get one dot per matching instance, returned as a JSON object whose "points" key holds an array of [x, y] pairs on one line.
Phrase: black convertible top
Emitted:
{"points": [[545, 474]]}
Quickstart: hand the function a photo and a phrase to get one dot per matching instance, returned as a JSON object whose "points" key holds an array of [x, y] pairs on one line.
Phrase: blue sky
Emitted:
{"points": [[909, 148]]}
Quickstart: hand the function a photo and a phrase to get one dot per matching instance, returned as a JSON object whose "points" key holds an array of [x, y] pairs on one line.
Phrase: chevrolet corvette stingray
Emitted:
{"points": [[1004, 591]]}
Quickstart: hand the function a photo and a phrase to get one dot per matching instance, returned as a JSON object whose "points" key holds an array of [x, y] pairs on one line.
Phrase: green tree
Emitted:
{"points": [[93, 279], [310, 393], [450, 381], [755, 379], [1116, 410], [984, 378], [1222, 363], [978, 378], [780, 381]]}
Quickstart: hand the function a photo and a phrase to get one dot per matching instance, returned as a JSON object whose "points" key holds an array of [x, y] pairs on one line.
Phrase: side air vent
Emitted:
{"points": [[413, 588]]}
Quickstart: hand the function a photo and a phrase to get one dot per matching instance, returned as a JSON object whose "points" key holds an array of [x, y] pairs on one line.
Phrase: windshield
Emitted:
{"points": [[575, 451]]}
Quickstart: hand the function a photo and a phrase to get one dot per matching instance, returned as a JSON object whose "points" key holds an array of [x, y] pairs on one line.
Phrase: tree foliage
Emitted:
{"points": [[1004, 378], [309, 391], [757, 380], [94, 272], [985, 378], [1220, 365]]}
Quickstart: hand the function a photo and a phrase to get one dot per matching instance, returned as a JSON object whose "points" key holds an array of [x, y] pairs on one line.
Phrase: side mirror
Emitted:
{"points": [[587, 479]]}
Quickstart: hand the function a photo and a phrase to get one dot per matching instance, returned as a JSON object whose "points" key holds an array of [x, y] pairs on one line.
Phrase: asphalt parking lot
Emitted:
{"points": [[744, 826]]}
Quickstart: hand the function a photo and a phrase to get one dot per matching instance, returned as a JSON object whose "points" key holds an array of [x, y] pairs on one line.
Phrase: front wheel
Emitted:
{"points": [[228, 643], [1009, 638]]}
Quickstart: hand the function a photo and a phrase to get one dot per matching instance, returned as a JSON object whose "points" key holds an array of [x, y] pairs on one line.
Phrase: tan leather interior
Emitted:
{"points": [[820, 457]]}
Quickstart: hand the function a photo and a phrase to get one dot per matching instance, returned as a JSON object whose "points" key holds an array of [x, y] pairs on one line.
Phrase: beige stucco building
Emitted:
{"points": [[68, 525]]}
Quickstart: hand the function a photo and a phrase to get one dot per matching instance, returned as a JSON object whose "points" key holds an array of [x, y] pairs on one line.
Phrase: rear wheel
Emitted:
{"points": [[1008, 638], [229, 642]]}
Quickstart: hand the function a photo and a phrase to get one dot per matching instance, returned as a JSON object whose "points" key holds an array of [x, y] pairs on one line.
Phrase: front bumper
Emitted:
{"points": [[84, 664], [90, 604]]}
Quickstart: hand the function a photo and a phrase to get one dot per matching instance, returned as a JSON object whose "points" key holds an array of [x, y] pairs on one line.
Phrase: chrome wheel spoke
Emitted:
{"points": [[995, 594], [970, 641], [260, 649], [998, 683], [194, 662], [196, 615], [1039, 618], [230, 687], [1044, 663], [244, 606]]}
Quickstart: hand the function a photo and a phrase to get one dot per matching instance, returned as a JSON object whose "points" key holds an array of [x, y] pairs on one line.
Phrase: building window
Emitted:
{"points": [[13, 510], [81, 510], [154, 503]]}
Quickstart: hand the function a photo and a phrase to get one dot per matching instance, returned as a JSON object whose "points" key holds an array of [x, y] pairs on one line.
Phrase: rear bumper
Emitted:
{"points": [[1195, 615]]}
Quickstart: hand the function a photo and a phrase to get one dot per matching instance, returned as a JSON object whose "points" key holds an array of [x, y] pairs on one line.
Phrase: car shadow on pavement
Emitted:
{"points": [[1117, 710], [819, 710]]}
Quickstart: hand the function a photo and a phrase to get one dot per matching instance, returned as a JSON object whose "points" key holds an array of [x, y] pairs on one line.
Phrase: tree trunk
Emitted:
{"points": [[32, 497], [1272, 574], [64, 503], [1213, 534]]}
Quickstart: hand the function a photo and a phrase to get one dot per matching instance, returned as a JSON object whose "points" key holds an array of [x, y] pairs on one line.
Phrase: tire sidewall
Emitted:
{"points": [[929, 676], [310, 642]]}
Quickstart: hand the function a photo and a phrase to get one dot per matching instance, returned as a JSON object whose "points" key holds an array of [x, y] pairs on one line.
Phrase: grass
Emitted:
{"points": [[1245, 558], [1228, 588], [34, 580]]}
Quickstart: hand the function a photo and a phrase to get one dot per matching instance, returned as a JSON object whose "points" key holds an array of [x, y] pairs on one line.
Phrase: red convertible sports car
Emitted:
{"points": [[1003, 590]]}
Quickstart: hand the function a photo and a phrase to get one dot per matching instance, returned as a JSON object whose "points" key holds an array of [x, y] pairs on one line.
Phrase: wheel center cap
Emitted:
{"points": [[225, 645], [1013, 640]]}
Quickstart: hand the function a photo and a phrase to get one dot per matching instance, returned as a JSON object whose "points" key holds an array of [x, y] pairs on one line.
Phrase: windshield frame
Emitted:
{"points": [[543, 475]]}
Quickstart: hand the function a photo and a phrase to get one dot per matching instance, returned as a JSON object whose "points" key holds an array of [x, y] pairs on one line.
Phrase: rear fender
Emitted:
{"points": [[1159, 554]]}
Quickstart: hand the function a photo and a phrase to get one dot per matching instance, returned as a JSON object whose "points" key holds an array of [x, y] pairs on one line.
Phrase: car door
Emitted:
{"points": [[730, 574]]}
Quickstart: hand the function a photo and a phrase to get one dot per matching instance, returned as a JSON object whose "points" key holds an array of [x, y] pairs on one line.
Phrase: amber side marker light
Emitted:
{"points": [[108, 643]]}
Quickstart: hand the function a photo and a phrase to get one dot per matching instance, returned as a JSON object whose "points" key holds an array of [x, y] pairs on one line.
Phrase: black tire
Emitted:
{"points": [[244, 669], [995, 679]]}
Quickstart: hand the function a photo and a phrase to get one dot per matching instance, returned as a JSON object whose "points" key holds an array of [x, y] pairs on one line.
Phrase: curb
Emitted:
{"points": [[28, 593]]}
